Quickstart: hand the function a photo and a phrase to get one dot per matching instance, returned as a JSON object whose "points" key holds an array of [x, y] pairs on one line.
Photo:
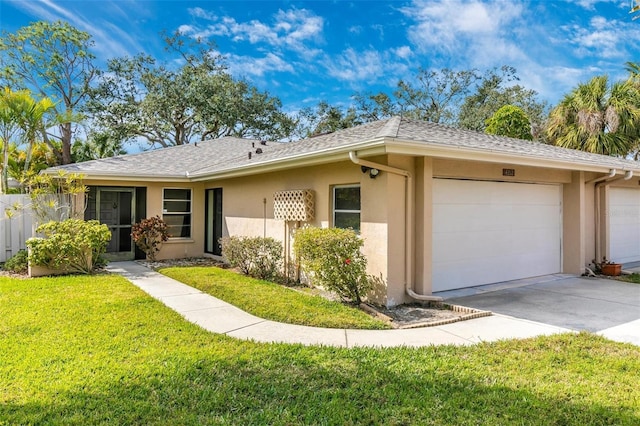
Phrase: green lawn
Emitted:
{"points": [[97, 350], [632, 278], [273, 301]]}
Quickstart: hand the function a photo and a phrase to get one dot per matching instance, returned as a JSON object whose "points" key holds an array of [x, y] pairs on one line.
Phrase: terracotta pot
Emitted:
{"points": [[612, 269]]}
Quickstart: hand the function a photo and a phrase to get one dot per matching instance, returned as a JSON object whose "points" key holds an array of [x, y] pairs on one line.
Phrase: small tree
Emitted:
{"points": [[149, 234], [57, 197], [53, 197], [333, 258], [510, 121]]}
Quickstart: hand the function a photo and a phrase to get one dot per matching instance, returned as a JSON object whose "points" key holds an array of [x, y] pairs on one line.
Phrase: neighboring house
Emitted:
{"points": [[447, 209]]}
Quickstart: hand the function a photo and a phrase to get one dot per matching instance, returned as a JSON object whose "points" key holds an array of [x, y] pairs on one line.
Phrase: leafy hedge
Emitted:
{"points": [[254, 256], [72, 245], [333, 259], [18, 263]]}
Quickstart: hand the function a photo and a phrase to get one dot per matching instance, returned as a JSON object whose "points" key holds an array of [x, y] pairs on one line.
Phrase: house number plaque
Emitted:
{"points": [[508, 172]]}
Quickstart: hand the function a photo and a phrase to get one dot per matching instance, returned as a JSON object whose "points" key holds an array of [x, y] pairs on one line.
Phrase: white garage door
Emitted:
{"points": [[624, 224], [487, 232]]}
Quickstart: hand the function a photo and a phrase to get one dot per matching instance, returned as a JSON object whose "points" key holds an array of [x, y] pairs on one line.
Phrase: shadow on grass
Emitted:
{"points": [[294, 385], [97, 350]]}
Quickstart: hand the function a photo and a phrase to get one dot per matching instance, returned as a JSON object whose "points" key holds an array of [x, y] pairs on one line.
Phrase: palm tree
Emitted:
{"points": [[634, 69], [19, 112], [31, 118], [8, 128], [598, 117]]}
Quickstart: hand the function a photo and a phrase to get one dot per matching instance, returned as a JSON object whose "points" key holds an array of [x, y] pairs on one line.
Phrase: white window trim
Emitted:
{"points": [[190, 213], [333, 203]]}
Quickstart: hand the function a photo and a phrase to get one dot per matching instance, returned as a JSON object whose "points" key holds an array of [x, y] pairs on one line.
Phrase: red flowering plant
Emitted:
{"points": [[149, 234]]}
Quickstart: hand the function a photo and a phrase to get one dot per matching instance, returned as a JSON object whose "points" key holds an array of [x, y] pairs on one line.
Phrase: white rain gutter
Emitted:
{"points": [[603, 181], [408, 224]]}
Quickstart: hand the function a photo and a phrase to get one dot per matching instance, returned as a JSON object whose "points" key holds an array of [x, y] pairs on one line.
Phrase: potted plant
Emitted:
{"points": [[607, 267]]}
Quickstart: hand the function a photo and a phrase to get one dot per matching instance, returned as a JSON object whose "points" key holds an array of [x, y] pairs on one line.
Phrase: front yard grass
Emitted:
{"points": [[271, 301], [97, 350], [632, 278]]}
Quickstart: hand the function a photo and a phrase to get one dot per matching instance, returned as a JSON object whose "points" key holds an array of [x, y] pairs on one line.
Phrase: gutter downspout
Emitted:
{"points": [[596, 206], [603, 181], [408, 224]]}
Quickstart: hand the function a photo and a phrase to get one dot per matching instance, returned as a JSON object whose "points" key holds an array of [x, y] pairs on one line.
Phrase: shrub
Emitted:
{"points": [[255, 256], [333, 259], [71, 245], [149, 234], [18, 263]]}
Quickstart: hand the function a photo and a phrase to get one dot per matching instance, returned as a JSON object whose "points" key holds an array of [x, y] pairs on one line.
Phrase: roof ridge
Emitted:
{"points": [[390, 128]]}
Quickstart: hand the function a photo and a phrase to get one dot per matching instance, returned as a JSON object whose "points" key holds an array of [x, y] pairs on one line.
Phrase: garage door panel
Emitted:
{"points": [[470, 218], [624, 224], [486, 232], [460, 247]]}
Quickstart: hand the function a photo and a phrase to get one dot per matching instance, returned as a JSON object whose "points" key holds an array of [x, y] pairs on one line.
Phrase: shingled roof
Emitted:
{"points": [[225, 155]]}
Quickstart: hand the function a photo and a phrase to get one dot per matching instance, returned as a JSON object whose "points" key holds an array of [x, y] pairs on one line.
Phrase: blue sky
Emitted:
{"points": [[307, 51]]}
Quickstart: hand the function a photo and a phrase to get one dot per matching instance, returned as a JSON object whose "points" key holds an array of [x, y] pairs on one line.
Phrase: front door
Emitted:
{"points": [[115, 207]]}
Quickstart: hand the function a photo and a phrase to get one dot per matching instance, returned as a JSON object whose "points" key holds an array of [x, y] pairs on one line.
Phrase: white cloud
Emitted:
{"points": [[199, 12], [602, 38], [461, 26], [110, 41], [590, 4], [257, 67], [403, 52], [363, 68], [291, 29]]}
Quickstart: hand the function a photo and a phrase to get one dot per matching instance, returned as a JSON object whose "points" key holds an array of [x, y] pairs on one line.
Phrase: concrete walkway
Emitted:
{"points": [[218, 316]]}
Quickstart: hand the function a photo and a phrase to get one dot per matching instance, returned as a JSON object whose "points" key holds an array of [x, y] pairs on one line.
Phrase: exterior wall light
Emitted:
{"points": [[373, 173]]}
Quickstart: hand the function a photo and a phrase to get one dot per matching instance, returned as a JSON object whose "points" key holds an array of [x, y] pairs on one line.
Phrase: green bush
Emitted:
{"points": [[18, 263], [149, 234], [332, 258], [72, 245], [254, 256]]}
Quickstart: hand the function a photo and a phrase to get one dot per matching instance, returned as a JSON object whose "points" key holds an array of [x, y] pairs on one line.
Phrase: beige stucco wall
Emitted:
{"points": [[245, 212], [248, 210], [175, 248]]}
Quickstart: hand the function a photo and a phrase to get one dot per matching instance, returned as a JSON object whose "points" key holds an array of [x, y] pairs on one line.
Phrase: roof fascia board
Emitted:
{"points": [[141, 178], [331, 155], [395, 146]]}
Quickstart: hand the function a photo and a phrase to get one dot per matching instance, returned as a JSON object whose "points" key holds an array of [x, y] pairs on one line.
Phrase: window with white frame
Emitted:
{"points": [[176, 211], [346, 207]]}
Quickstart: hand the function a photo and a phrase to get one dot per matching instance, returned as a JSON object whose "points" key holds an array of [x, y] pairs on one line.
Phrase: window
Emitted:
{"points": [[176, 212], [346, 207], [213, 221]]}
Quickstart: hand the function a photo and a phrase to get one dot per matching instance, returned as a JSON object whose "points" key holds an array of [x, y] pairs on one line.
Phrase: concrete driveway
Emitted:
{"points": [[607, 307]]}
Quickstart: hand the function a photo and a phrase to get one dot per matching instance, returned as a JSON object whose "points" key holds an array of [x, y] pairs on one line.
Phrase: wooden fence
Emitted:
{"points": [[16, 222]]}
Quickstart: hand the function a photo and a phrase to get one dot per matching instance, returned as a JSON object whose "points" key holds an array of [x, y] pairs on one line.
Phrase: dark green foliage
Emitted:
{"points": [[17, 263], [598, 117], [509, 121], [332, 258]]}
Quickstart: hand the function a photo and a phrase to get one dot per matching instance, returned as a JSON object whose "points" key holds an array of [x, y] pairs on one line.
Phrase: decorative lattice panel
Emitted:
{"points": [[294, 205]]}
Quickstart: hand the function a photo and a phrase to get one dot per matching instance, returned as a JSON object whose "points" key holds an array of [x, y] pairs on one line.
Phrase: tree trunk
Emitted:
{"points": [[66, 134], [5, 167]]}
